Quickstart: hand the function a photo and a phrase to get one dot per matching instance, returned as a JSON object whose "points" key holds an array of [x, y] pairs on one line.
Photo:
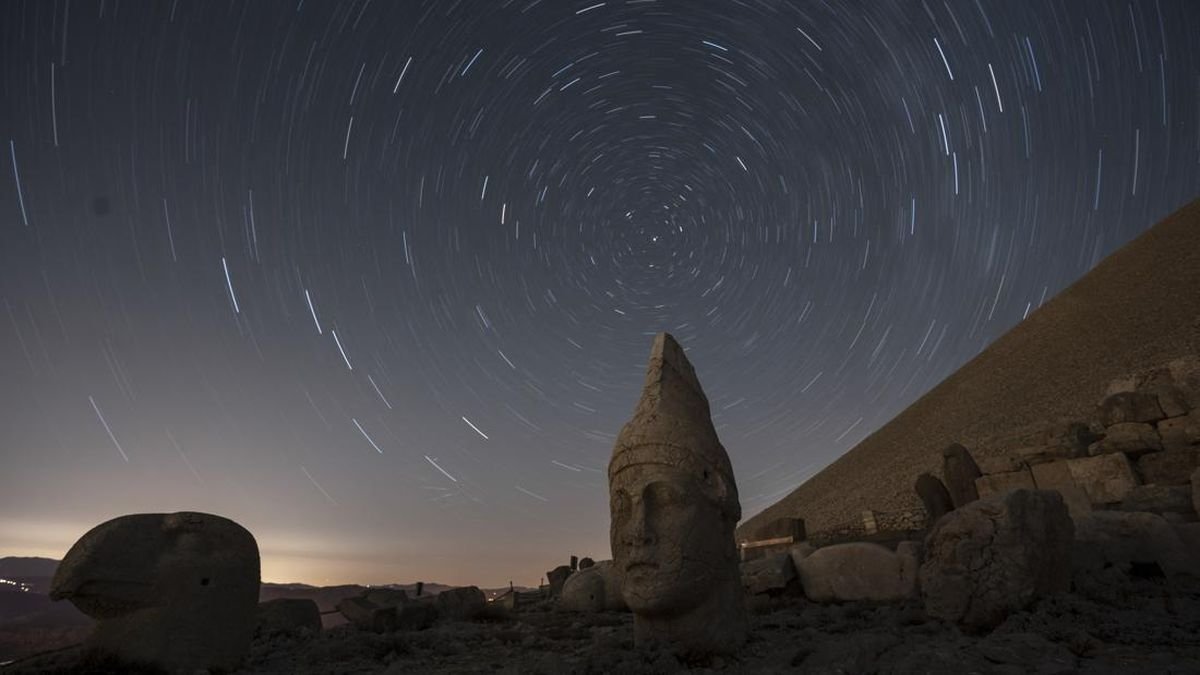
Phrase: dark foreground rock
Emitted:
{"points": [[1155, 628]]}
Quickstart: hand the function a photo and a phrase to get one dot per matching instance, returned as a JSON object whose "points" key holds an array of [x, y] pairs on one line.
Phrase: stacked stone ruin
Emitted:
{"points": [[1136, 453]]}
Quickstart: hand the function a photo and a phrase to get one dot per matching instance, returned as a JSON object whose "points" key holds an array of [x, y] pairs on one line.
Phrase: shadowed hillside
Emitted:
{"points": [[1139, 307]]}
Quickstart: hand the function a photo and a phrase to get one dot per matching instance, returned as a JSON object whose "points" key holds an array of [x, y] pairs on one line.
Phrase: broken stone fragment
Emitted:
{"points": [[959, 472], [175, 590], [996, 556], [1130, 406]]}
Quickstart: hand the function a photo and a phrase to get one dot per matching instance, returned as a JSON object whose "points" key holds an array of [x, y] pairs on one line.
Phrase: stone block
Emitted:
{"points": [[768, 575], [1057, 476], [1180, 432], [1128, 437], [1130, 406], [782, 527], [1160, 499], [1106, 478], [1169, 467], [1172, 400], [999, 464], [1040, 454], [999, 483]]}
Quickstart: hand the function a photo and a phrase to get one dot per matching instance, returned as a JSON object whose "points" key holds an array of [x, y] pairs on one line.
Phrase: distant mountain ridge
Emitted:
{"points": [[13, 567]]}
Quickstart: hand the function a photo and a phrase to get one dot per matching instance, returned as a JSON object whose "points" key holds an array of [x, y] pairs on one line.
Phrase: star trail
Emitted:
{"points": [[378, 279]]}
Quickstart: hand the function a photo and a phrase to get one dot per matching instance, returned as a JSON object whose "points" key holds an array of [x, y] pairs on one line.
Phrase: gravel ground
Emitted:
{"points": [[1138, 626]]}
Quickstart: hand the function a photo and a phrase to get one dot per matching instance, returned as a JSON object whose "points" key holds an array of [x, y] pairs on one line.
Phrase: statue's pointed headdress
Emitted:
{"points": [[672, 425]]}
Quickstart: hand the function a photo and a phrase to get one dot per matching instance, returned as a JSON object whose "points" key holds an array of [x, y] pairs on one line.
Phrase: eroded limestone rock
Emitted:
{"points": [[959, 471], [996, 556], [859, 571], [674, 506], [934, 497], [595, 588], [175, 590]]}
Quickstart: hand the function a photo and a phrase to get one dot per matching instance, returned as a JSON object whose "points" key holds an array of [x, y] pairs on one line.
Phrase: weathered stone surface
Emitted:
{"points": [[999, 464], [595, 589], [997, 556], [959, 472], [999, 483], [1172, 400], [1057, 476], [674, 506], [1179, 433], [463, 603], [1159, 499], [366, 615], [1189, 534], [783, 527], [1106, 478], [934, 497], [556, 578], [1130, 406], [1128, 437], [1120, 539], [177, 590], [1040, 454], [1196, 490], [859, 571], [289, 615], [1076, 438], [1170, 467], [585, 563], [769, 575]]}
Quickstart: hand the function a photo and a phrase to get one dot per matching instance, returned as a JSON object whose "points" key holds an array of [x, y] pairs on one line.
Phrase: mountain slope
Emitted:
{"points": [[1139, 307]]}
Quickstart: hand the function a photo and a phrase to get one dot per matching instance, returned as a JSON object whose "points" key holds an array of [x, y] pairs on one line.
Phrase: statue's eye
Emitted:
{"points": [[620, 502], [664, 494]]}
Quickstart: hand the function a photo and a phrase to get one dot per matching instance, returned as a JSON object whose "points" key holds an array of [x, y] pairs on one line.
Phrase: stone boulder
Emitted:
{"points": [[934, 497], [999, 483], [997, 556], [1170, 467], [1128, 437], [462, 604], [959, 472], [298, 616], [174, 590], [366, 615], [769, 575], [594, 589], [1130, 406], [859, 571], [1119, 539], [1106, 478], [416, 615], [586, 563], [1181, 433], [557, 577]]}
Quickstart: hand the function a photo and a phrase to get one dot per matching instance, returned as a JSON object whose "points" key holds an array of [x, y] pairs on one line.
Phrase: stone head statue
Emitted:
{"points": [[177, 590], [674, 506]]}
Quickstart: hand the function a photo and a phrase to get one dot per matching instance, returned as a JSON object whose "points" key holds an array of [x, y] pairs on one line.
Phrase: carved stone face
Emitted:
{"points": [[669, 539]]}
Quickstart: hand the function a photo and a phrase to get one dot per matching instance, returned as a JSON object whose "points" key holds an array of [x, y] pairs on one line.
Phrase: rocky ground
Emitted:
{"points": [[1122, 626]]}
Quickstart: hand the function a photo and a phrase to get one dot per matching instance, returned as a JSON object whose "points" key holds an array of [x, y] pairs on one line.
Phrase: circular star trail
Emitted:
{"points": [[378, 279]]}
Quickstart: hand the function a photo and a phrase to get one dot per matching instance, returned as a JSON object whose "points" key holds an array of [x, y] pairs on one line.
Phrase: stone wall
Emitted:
{"points": [[1136, 452]]}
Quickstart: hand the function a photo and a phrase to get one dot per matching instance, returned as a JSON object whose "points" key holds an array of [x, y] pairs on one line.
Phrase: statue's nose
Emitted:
{"points": [[639, 532]]}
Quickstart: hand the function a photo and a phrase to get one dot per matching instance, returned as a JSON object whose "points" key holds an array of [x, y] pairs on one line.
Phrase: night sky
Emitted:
{"points": [[378, 280]]}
